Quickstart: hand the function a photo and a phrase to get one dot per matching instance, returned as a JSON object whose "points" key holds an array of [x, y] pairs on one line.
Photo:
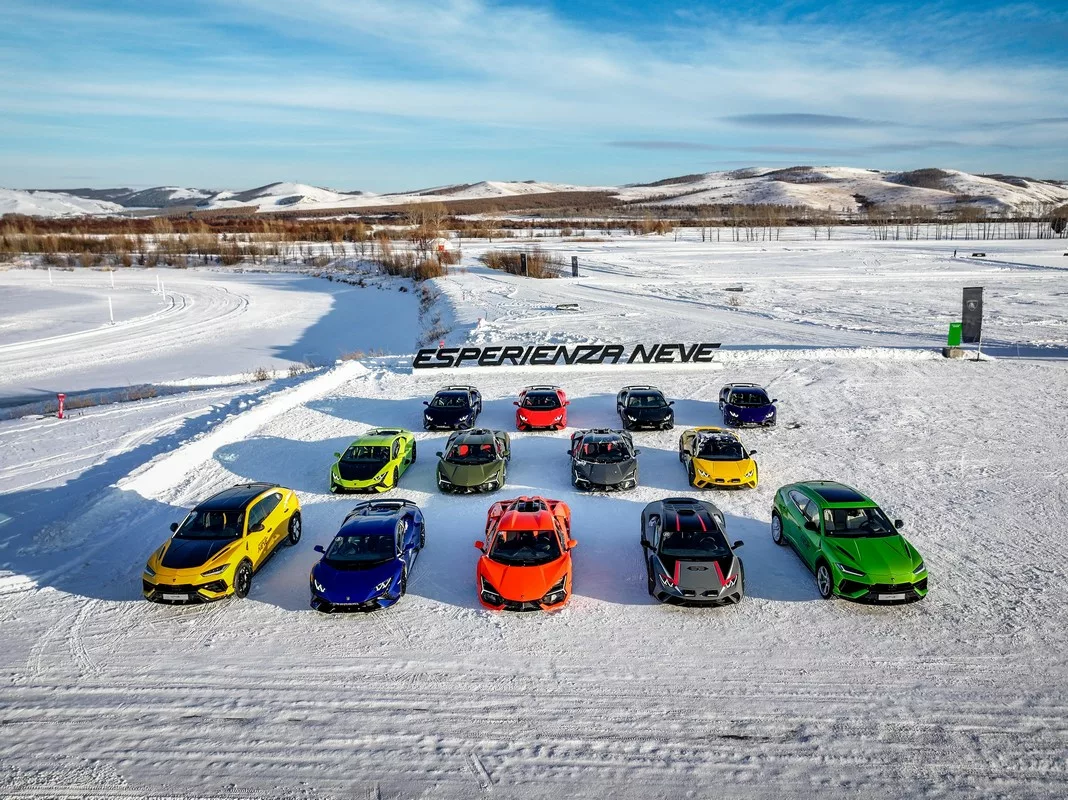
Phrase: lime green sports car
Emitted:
{"points": [[852, 547], [374, 462]]}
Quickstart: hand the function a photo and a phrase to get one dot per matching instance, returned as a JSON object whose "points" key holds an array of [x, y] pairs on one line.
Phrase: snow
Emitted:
{"points": [[52, 204], [960, 695]]}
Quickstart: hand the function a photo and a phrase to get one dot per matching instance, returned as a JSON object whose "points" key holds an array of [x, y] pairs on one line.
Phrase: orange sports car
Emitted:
{"points": [[526, 557]]}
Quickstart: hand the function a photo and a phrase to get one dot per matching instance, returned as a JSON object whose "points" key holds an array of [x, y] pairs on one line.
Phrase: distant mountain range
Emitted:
{"points": [[836, 189]]}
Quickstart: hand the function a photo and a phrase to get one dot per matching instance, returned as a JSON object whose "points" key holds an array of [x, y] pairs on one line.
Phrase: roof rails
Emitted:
{"points": [[457, 389], [743, 385], [650, 388], [545, 387]]}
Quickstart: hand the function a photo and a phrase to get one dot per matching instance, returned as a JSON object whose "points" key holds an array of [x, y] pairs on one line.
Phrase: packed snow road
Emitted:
{"points": [[960, 695]]}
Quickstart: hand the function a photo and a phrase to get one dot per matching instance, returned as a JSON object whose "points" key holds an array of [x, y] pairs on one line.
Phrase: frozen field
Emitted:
{"points": [[960, 695]]}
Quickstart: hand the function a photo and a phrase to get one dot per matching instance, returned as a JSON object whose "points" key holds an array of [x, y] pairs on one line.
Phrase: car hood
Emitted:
{"points": [[725, 469], [522, 584], [648, 414], [469, 474], [189, 553], [750, 413], [446, 414], [885, 557], [697, 575], [358, 470], [353, 585], [606, 474]]}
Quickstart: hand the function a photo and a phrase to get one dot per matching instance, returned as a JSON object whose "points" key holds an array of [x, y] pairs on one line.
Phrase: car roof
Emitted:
{"points": [[451, 390], [375, 516], [475, 436], [236, 497], [833, 493]]}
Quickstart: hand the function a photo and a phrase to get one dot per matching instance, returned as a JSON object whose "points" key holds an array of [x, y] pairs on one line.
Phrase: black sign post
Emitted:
{"points": [[523, 263], [574, 266], [971, 317]]}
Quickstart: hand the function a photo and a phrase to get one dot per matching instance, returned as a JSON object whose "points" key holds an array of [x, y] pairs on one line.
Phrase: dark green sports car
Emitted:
{"points": [[474, 461], [852, 547]]}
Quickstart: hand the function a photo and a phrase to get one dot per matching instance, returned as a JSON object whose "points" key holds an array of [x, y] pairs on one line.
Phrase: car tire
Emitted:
{"points": [[776, 529], [414, 450], [243, 579], [691, 474], [422, 536], [396, 478], [824, 580], [403, 585], [650, 580], [295, 529]]}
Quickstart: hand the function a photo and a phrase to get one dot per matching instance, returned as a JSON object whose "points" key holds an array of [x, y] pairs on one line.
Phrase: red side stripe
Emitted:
{"points": [[678, 566], [722, 580]]}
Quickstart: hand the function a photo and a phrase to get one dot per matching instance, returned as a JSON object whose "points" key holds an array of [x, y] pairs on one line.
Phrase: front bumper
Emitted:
{"points": [[186, 593], [523, 605], [455, 488], [583, 483], [724, 483], [658, 425], [435, 425], [882, 593], [337, 486], [671, 595]]}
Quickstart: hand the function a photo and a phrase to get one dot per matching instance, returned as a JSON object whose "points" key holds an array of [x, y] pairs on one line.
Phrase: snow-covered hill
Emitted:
{"points": [[838, 189]]}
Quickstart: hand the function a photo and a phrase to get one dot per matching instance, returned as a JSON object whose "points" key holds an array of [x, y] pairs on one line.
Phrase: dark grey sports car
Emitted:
{"points": [[687, 557], [644, 407], [603, 459]]}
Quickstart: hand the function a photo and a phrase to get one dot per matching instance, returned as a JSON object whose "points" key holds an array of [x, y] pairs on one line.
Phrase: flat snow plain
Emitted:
{"points": [[960, 695]]}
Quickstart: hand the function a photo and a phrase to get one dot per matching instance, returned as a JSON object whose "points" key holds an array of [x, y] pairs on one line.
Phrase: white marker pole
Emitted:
{"points": [[49, 276], [163, 291], [111, 311], [157, 284], [113, 279]]}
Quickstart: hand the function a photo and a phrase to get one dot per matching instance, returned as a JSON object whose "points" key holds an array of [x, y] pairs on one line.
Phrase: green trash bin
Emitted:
{"points": [[953, 340]]}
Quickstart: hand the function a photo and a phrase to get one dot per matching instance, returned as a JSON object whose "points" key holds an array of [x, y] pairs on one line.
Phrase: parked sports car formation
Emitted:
{"points": [[850, 545]]}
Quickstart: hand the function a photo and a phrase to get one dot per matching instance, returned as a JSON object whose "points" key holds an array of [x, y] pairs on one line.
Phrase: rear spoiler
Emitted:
{"points": [[393, 504]]}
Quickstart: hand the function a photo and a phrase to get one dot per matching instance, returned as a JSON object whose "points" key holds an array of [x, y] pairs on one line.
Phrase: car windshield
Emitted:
{"points": [[362, 549], [451, 400], [721, 448], [367, 453], [647, 400], [857, 522], [693, 544], [603, 451], [748, 397], [547, 400], [525, 548], [212, 524], [482, 453]]}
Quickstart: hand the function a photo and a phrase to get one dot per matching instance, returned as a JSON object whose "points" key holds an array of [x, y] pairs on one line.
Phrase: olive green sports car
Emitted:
{"points": [[474, 461], [852, 547], [374, 462]]}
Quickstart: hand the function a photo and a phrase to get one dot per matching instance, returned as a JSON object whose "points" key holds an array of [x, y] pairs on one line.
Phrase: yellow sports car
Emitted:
{"points": [[218, 547], [716, 457]]}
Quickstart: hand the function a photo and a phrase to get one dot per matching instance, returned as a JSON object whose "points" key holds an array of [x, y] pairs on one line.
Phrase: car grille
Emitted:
{"points": [[725, 480], [532, 605], [156, 591]]}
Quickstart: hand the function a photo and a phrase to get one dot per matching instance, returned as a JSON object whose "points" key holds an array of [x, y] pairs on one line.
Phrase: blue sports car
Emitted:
{"points": [[746, 404], [367, 565]]}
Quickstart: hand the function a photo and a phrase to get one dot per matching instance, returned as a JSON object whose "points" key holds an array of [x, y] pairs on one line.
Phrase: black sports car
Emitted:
{"points": [[453, 408], [603, 459], [644, 407], [687, 557]]}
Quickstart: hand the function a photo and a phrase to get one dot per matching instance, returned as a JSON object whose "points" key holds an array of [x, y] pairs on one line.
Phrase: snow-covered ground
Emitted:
{"points": [[203, 326], [961, 695]]}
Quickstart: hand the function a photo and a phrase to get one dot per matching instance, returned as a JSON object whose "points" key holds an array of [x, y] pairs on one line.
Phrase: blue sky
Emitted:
{"points": [[387, 95]]}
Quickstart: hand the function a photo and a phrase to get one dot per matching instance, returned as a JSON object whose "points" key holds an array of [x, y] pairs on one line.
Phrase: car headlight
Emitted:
{"points": [[730, 582], [149, 571], [443, 482], [702, 473], [921, 567], [632, 418], [489, 594], [427, 417], [522, 416], [769, 415], [750, 473], [318, 586], [849, 570], [732, 413], [558, 417], [215, 570], [665, 578], [555, 594], [383, 585]]}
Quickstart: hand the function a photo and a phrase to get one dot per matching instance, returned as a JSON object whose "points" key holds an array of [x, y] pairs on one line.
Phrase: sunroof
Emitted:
{"points": [[838, 494]]}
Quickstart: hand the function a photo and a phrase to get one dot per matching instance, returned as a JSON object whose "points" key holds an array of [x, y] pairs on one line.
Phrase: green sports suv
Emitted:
{"points": [[852, 547]]}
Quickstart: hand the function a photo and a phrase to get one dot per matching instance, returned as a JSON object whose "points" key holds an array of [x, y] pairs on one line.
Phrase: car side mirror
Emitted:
{"points": [[426, 402], [256, 528], [899, 523], [647, 544], [571, 543], [319, 549], [671, 402], [751, 452], [439, 454], [737, 544], [637, 452], [481, 546], [775, 399], [811, 526], [174, 527], [567, 402], [337, 455]]}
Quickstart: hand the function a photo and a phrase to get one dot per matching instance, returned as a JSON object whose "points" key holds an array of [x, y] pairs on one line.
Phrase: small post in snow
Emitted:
{"points": [[523, 262], [111, 311], [574, 266], [49, 276], [60, 397], [157, 284], [163, 291], [113, 279]]}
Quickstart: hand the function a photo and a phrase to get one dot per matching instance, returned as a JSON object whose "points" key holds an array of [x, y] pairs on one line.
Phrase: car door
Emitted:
{"points": [[257, 533], [276, 519], [794, 522], [809, 541]]}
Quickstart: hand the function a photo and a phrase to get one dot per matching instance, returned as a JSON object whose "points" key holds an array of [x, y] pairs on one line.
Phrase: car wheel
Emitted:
{"points": [[294, 529], [414, 450], [243, 579], [403, 584], [824, 581], [422, 536], [691, 473], [651, 580], [776, 529], [396, 478]]}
